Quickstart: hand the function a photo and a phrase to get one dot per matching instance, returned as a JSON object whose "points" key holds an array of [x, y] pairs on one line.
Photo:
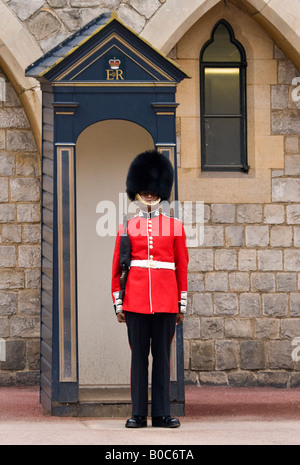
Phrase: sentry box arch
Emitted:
{"points": [[103, 73]]}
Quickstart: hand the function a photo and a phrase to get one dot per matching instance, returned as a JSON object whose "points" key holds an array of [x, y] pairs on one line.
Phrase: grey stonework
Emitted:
{"points": [[19, 243], [244, 282], [248, 304]]}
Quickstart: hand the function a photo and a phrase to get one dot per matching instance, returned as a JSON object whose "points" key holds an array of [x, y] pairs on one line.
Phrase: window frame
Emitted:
{"points": [[242, 65]]}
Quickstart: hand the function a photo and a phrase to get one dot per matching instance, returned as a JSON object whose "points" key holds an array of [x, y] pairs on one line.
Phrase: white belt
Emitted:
{"points": [[153, 264]]}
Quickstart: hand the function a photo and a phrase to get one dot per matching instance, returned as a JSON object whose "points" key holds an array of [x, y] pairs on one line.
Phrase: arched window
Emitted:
{"points": [[223, 102]]}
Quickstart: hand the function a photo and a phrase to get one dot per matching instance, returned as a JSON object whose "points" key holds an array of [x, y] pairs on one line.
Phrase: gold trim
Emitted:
{"points": [[72, 336], [122, 51], [115, 84], [64, 112], [114, 17], [162, 113], [101, 45]]}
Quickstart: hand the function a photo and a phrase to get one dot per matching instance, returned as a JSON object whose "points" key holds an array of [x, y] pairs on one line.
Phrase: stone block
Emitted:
{"points": [[257, 236], [13, 118], [4, 329], [24, 327], [225, 260], [275, 305], [29, 256], [295, 304], [247, 260], [237, 328], [28, 164], [29, 302], [212, 328], [270, 260], [202, 304], [201, 260], [223, 213], [32, 233], [253, 355], [286, 282], [249, 213], [281, 236], [292, 260], [196, 282], [28, 213], [32, 279], [132, 18], [20, 141], [3, 189], [273, 379], [226, 304], [286, 122], [191, 328], [7, 164], [292, 165], [213, 378], [7, 213], [146, 8], [281, 355], [216, 282], [293, 214], [292, 144], [234, 236], [297, 237], [263, 282], [33, 354], [25, 189], [286, 190], [8, 303], [26, 9], [280, 97], [267, 328], [15, 355], [7, 257], [250, 305], [274, 214], [227, 355], [11, 279], [202, 356], [43, 25], [213, 236], [290, 328], [11, 233], [287, 71], [239, 282]]}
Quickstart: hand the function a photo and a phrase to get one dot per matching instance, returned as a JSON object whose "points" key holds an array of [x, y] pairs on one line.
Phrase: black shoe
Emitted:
{"points": [[165, 422], [136, 422]]}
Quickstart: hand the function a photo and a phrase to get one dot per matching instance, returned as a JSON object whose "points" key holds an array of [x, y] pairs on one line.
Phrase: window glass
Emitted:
{"points": [[221, 48], [222, 91]]}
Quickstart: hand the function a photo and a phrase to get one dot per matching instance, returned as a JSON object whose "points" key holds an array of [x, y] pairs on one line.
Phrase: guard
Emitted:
{"points": [[155, 297]]}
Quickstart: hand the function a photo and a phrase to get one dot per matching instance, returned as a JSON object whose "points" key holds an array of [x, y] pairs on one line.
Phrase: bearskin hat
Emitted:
{"points": [[150, 171]]}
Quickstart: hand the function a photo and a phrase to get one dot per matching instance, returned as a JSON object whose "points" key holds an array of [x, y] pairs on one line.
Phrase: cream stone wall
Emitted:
{"points": [[265, 150]]}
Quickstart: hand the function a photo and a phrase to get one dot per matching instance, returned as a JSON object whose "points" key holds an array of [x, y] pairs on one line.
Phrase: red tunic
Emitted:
{"points": [[150, 290]]}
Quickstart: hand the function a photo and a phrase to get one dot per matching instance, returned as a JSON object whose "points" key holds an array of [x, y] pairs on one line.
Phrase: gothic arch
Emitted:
{"points": [[282, 25], [17, 50]]}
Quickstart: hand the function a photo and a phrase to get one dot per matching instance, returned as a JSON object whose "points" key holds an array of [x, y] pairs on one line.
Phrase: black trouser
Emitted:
{"points": [[156, 331]]}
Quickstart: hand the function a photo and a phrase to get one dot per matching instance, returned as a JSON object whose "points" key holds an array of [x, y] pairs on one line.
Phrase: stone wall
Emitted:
{"points": [[19, 243], [52, 21], [244, 303]]}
